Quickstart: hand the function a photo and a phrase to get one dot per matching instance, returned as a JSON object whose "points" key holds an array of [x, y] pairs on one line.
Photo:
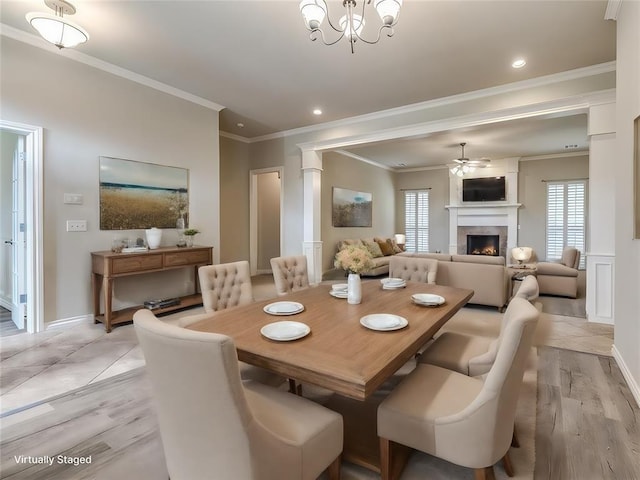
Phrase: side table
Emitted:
{"points": [[517, 274]]}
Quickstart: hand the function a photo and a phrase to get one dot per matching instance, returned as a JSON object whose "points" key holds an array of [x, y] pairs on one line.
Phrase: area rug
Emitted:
{"points": [[567, 307]]}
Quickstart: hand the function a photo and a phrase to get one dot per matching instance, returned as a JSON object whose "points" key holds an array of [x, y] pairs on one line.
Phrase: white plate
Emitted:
{"points": [[285, 331], [339, 287], [427, 299], [393, 287], [383, 322], [338, 294], [283, 308], [391, 281]]}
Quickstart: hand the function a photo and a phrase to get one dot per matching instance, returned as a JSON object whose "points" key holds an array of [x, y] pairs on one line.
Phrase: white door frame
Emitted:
{"points": [[33, 220], [253, 213]]}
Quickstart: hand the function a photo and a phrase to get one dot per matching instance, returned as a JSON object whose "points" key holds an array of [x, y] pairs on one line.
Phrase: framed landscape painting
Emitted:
{"points": [[136, 195], [351, 208]]}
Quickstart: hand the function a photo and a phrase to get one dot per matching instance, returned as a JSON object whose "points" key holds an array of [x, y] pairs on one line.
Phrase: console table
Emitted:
{"points": [[106, 266]]}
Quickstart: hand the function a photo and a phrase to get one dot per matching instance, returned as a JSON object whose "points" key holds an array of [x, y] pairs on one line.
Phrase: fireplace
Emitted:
{"points": [[483, 245]]}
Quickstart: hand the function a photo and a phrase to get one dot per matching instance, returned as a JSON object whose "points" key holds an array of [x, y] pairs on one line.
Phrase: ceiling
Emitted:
{"points": [[255, 59]]}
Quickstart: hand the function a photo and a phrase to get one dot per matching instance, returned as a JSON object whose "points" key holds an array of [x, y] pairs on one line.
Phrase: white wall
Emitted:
{"points": [[627, 272], [86, 113]]}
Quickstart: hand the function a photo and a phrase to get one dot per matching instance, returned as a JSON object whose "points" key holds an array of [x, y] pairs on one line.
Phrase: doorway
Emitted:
{"points": [[21, 285], [265, 231]]}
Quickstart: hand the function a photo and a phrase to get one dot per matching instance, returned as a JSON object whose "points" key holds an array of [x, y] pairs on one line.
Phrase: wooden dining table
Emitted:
{"points": [[339, 353]]}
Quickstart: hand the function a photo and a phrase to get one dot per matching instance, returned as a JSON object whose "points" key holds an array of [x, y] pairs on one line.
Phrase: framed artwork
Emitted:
{"points": [[136, 195], [351, 208], [636, 176]]}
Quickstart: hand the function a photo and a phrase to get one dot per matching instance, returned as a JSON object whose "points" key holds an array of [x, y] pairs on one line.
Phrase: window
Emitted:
{"points": [[416, 220], [566, 217]]}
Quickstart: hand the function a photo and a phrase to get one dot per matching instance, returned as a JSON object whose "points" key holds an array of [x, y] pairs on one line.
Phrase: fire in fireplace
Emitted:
{"points": [[483, 245]]}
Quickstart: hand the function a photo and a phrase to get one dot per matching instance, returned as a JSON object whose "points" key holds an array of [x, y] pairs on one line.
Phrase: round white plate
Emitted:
{"points": [[427, 299], [285, 331], [283, 308], [392, 281], [338, 294], [339, 287], [383, 322]]}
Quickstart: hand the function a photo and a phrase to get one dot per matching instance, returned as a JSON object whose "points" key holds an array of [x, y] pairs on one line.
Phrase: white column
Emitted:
{"points": [[312, 243], [601, 221]]}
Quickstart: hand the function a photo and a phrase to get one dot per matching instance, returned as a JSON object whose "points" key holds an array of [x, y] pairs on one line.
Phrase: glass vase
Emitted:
{"points": [[354, 289]]}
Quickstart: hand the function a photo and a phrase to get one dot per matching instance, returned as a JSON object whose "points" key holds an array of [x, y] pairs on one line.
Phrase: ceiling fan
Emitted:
{"points": [[467, 165]]}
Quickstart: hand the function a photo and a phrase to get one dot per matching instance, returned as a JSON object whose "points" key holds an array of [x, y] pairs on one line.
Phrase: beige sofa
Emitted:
{"points": [[486, 276], [380, 259]]}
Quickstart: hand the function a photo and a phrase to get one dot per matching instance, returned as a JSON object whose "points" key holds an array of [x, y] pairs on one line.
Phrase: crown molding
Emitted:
{"points": [[235, 137], [613, 9], [450, 100], [576, 153], [365, 160], [38, 42]]}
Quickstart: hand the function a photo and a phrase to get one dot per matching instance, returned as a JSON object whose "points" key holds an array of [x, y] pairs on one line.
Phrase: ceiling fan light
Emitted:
{"points": [[313, 13], [388, 10], [57, 30]]}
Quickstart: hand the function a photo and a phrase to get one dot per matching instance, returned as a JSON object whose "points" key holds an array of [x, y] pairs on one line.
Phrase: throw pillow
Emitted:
{"points": [[385, 246], [347, 242], [394, 245], [373, 247]]}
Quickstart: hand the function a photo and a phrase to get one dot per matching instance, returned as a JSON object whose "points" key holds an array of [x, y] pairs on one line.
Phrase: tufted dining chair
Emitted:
{"points": [[474, 354], [223, 286], [413, 269], [213, 425], [463, 420], [290, 273]]}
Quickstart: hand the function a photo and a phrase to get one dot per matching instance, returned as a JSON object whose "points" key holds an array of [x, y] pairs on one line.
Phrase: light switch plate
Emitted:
{"points": [[76, 225], [73, 198]]}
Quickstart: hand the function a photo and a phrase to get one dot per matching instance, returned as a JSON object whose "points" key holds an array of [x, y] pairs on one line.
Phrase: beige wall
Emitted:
{"points": [[234, 200], [627, 268], [345, 172], [532, 195], [268, 219], [86, 113], [437, 181]]}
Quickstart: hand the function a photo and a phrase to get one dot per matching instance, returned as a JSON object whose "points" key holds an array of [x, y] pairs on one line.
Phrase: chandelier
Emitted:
{"points": [[56, 29], [350, 26]]}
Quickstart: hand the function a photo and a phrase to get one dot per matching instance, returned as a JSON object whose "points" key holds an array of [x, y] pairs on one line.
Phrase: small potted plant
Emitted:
{"points": [[189, 233]]}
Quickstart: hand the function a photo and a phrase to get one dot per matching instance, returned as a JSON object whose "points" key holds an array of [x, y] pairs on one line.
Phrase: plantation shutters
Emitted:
{"points": [[416, 220], [566, 217]]}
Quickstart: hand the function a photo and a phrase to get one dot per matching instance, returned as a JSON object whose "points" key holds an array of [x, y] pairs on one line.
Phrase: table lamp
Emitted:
{"points": [[401, 239], [521, 254]]}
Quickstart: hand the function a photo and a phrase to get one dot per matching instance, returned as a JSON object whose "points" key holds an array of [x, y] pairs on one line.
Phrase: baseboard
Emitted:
{"points": [[68, 322], [626, 373]]}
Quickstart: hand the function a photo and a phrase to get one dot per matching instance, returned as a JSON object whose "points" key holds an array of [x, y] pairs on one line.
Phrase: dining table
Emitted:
{"points": [[338, 350]]}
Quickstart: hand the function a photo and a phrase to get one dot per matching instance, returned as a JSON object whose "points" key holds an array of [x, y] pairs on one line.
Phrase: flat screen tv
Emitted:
{"points": [[487, 189]]}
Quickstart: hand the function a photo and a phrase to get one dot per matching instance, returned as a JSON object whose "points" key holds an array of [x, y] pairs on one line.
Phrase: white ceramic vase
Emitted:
{"points": [[154, 236], [354, 289]]}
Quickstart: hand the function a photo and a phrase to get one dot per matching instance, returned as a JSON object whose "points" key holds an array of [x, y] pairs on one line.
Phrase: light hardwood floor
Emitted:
{"points": [[587, 421]]}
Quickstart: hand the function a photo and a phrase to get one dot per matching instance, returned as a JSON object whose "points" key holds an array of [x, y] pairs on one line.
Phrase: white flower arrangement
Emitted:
{"points": [[354, 259]]}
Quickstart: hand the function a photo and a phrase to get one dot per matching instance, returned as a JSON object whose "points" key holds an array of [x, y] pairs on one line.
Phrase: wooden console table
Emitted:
{"points": [[107, 266]]}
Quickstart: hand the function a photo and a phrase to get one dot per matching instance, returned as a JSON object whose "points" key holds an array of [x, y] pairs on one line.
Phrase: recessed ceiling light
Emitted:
{"points": [[240, 125], [519, 63], [317, 111]]}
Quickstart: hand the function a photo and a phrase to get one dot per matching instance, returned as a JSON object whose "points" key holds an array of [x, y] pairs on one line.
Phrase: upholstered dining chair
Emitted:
{"points": [[213, 425], [473, 354], [413, 269], [290, 273], [223, 286], [464, 420]]}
